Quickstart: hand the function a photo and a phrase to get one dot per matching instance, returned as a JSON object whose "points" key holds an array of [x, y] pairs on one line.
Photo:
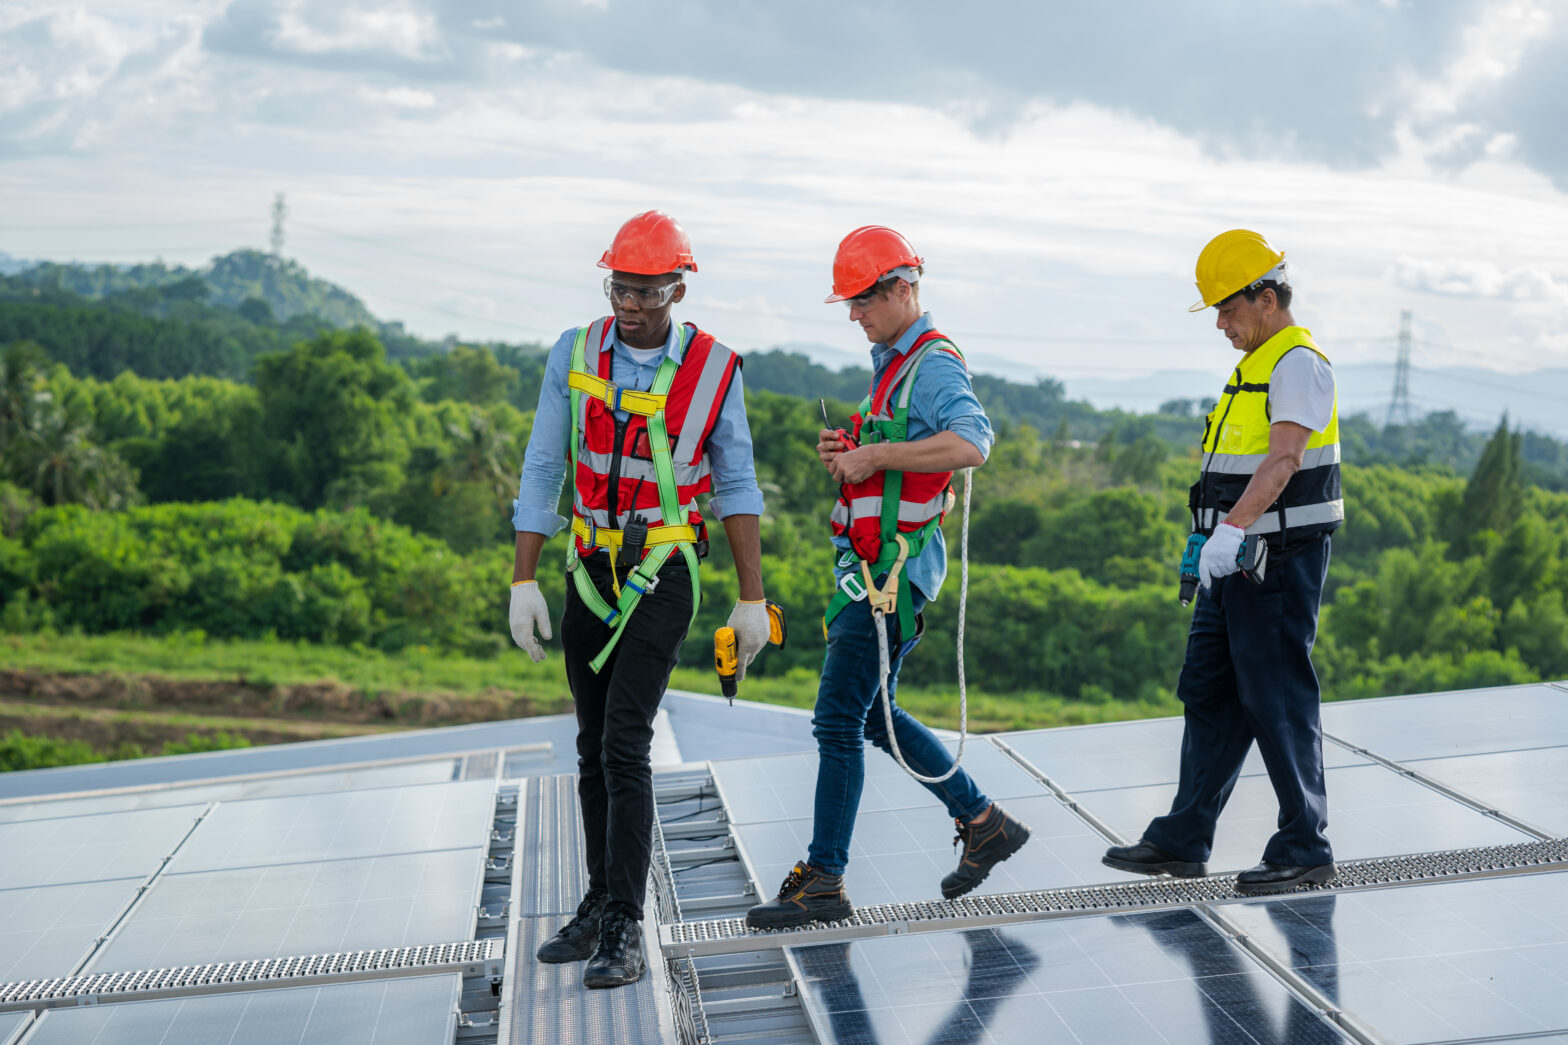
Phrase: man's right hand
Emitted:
{"points": [[528, 612]]}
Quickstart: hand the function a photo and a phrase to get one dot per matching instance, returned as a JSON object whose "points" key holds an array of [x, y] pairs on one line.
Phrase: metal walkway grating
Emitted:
{"points": [[473, 958], [551, 872], [731, 935]]}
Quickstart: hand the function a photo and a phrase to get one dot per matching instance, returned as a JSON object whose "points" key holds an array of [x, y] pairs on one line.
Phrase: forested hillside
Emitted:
{"points": [[172, 465]]}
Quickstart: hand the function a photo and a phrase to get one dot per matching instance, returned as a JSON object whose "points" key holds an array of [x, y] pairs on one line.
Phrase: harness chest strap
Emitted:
{"points": [[644, 576], [896, 547]]}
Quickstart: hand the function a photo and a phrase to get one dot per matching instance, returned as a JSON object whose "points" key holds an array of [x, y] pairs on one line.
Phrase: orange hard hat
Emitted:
{"points": [[650, 244], [865, 256]]}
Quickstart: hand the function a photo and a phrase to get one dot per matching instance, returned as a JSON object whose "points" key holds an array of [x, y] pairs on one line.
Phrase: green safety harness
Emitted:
{"points": [[644, 577], [896, 547]]}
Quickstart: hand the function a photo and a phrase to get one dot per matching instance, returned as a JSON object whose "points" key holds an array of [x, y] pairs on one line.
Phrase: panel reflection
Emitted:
{"points": [[1164, 976]]}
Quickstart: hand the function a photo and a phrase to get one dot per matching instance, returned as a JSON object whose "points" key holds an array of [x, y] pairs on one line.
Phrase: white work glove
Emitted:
{"points": [[528, 612], [1218, 558], [750, 621]]}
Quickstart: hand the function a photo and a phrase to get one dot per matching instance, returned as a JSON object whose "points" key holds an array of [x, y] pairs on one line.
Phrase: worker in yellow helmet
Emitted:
{"points": [[1263, 507]]}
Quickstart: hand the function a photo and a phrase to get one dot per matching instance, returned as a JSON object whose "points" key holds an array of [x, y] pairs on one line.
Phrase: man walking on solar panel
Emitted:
{"points": [[920, 422], [1264, 505], [649, 414]]}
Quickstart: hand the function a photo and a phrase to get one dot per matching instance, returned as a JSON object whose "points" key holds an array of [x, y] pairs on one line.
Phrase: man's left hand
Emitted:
{"points": [[750, 621], [854, 466], [1219, 553]]}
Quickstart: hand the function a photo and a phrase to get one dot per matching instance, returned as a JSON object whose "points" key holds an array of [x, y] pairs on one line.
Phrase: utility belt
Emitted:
{"points": [[640, 579], [606, 544]]}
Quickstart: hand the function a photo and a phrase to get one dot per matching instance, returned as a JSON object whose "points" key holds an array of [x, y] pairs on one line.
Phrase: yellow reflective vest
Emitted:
{"points": [[1236, 440]]}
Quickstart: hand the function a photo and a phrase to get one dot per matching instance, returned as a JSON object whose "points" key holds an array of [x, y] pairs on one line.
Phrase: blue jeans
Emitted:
{"points": [[1248, 676], [849, 712]]}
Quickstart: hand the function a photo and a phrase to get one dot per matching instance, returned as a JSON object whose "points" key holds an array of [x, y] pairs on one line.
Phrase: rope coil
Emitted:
{"points": [[878, 616]]}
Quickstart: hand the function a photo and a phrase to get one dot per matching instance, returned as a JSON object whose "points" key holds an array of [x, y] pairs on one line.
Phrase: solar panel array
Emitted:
{"points": [[391, 841]]}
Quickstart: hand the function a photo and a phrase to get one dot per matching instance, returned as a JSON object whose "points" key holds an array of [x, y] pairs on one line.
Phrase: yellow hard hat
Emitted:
{"points": [[1233, 261]]}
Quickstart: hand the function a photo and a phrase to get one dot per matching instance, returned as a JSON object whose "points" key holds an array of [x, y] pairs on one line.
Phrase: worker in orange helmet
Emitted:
{"points": [[920, 422], [649, 413]]}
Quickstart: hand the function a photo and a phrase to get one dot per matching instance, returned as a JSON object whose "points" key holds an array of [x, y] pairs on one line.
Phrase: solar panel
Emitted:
{"points": [[341, 825], [1463, 723], [417, 1011], [1531, 785], [46, 930], [11, 1024], [1164, 977], [90, 848], [1372, 811], [902, 854], [306, 908], [1436, 962], [267, 787], [781, 787], [1126, 754], [708, 727]]}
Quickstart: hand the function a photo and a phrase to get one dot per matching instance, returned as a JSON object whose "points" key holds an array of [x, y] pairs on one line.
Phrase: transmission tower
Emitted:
{"points": [[1399, 402], [280, 211]]}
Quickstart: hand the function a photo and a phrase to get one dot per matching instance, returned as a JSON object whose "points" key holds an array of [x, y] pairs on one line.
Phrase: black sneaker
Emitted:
{"points": [[807, 895], [618, 960], [1148, 858], [985, 844], [577, 938]]}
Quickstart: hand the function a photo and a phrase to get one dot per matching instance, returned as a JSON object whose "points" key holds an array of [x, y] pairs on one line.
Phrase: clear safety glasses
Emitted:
{"points": [[633, 294], [865, 300]]}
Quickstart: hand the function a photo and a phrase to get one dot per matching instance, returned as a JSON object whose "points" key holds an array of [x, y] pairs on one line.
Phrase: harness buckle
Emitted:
{"points": [[853, 586]]}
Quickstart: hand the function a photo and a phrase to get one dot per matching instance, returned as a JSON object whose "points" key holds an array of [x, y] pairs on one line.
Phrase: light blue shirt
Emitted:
{"points": [[735, 490], [943, 400]]}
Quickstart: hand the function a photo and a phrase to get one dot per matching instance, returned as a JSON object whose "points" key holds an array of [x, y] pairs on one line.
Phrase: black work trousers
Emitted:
{"points": [[1248, 676], [615, 711]]}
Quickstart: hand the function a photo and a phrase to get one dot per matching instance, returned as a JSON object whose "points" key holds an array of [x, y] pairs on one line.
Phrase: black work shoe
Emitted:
{"points": [[618, 960], [986, 844], [807, 895], [1148, 858], [1276, 878], [577, 938]]}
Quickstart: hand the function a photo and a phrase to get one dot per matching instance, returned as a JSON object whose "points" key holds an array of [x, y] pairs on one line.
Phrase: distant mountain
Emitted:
{"points": [[1532, 400], [232, 279]]}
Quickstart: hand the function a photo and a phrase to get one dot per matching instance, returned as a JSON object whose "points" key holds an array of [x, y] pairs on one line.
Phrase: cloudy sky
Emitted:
{"points": [[461, 164]]}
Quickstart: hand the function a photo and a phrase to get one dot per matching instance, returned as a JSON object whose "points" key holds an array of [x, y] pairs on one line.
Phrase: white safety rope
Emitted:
{"points": [[879, 618]]}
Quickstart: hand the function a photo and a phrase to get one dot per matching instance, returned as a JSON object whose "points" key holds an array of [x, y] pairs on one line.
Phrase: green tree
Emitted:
{"points": [[1495, 492], [330, 409]]}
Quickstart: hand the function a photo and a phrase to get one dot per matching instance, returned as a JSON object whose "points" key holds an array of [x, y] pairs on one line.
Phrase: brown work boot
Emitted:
{"points": [[807, 895], [988, 839]]}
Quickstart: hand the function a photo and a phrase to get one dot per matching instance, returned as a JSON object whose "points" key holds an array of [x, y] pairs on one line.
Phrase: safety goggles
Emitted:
{"points": [[865, 300], [636, 294]]}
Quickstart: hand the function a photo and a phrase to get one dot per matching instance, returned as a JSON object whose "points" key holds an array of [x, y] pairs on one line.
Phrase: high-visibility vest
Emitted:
{"points": [[615, 467], [869, 513], [1236, 441], [652, 463]]}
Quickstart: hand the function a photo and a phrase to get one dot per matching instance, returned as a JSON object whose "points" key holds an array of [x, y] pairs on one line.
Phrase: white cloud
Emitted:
{"points": [[397, 29], [401, 97], [1479, 279]]}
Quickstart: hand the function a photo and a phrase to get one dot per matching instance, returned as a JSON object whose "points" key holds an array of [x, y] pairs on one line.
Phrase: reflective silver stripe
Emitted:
{"points": [[704, 405], [1246, 464], [871, 508], [636, 468], [653, 515], [1306, 515]]}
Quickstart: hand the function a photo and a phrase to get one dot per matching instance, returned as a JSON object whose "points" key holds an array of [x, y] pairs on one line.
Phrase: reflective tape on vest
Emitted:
{"points": [[1328, 512], [1246, 464], [871, 507]]}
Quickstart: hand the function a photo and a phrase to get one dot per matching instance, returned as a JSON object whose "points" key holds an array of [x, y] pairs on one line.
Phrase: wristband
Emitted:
{"points": [[518, 584]]}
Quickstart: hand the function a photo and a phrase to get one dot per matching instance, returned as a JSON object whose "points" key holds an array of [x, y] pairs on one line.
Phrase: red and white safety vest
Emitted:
{"points": [[615, 471], [922, 496]]}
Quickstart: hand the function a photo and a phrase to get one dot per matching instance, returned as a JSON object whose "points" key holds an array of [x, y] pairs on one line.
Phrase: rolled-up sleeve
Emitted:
{"points": [[945, 399], [544, 461], [735, 489]]}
